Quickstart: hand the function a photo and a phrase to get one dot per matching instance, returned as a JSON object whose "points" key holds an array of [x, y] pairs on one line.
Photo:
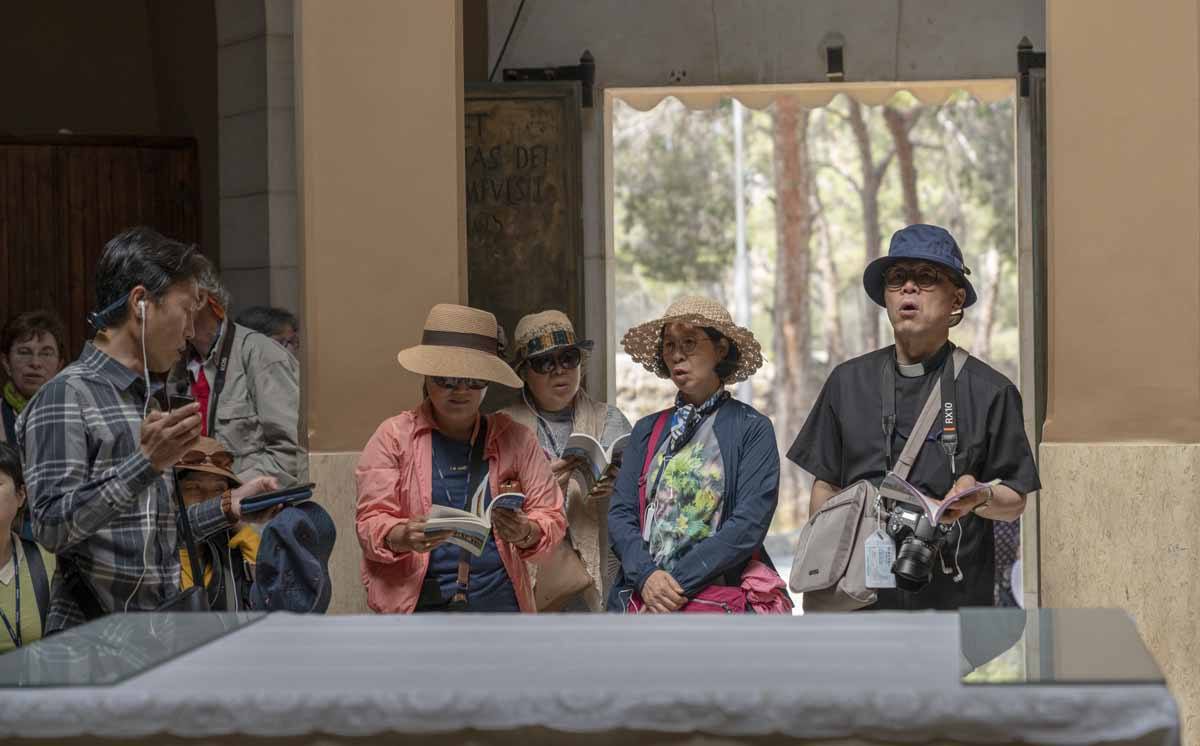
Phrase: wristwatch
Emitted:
{"points": [[985, 503], [227, 506]]}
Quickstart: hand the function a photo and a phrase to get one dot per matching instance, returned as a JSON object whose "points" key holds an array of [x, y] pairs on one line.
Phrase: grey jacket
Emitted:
{"points": [[257, 414]]}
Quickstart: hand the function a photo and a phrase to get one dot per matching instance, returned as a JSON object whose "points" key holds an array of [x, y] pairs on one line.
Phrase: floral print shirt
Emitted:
{"points": [[685, 507]]}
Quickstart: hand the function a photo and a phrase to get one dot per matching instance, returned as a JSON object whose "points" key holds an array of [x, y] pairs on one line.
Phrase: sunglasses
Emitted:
{"points": [[219, 459], [451, 382], [925, 277], [568, 359]]}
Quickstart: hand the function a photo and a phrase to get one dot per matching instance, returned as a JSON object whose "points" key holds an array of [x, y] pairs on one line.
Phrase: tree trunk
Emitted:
{"points": [[872, 179], [835, 341], [900, 126], [985, 320], [793, 337]]}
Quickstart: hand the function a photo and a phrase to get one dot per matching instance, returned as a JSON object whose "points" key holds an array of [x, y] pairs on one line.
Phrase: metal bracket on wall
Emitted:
{"points": [[584, 72], [833, 54], [1027, 60]]}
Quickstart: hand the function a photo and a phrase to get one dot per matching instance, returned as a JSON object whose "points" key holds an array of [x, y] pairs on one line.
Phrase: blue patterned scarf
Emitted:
{"points": [[688, 417]]}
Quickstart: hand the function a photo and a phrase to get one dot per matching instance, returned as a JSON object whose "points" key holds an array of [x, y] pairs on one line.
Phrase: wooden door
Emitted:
{"points": [[63, 198]]}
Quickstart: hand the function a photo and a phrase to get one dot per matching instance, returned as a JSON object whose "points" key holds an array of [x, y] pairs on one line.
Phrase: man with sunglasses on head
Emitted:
{"points": [[869, 407], [248, 389], [99, 443]]}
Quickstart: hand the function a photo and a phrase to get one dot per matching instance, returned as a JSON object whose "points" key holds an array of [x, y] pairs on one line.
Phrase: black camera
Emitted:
{"points": [[920, 543]]}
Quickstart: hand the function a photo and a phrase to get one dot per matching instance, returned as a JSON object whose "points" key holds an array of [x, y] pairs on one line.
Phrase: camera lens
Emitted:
{"points": [[914, 565]]}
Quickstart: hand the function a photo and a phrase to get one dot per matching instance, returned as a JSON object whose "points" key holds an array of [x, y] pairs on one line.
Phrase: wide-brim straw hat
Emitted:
{"points": [[539, 333], [642, 341], [459, 342], [209, 446]]}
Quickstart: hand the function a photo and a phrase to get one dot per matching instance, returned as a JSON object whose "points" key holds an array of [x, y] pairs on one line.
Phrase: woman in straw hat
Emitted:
{"points": [[549, 358], [437, 454], [700, 480]]}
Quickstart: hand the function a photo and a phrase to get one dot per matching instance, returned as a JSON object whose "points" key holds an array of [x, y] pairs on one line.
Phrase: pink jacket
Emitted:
{"points": [[395, 481]]}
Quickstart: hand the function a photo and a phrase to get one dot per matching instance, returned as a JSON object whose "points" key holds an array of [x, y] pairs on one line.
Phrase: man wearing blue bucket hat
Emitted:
{"points": [[869, 407]]}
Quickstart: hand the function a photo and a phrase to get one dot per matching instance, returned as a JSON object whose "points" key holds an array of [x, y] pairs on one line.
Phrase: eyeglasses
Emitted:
{"points": [[451, 382], [219, 459], [925, 276], [568, 359], [687, 345], [25, 355]]}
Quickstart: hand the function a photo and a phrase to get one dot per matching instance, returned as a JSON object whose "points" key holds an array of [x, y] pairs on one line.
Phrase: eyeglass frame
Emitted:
{"points": [[556, 360], [910, 272], [451, 382], [30, 356], [207, 459]]}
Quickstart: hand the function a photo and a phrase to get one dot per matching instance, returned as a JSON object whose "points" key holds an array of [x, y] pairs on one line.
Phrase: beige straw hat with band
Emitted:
{"points": [[642, 341], [208, 447], [460, 342]]}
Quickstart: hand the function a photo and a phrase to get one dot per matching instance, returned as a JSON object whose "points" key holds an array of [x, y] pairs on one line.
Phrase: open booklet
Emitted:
{"points": [[895, 488], [471, 528], [596, 459]]}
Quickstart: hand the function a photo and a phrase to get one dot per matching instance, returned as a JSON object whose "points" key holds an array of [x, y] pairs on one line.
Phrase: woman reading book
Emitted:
{"points": [[700, 480], [550, 359], [442, 453]]}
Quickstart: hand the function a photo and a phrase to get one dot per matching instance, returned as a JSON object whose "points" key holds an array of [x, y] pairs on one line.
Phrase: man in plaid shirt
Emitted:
{"points": [[99, 450]]}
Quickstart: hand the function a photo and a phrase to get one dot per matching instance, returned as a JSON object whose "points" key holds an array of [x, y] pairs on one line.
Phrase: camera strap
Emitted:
{"points": [[218, 384], [941, 399]]}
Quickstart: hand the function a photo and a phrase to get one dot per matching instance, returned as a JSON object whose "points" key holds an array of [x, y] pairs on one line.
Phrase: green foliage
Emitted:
{"points": [[674, 185]]}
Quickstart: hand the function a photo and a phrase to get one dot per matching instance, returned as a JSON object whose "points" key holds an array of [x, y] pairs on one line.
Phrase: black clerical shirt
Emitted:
{"points": [[843, 441]]}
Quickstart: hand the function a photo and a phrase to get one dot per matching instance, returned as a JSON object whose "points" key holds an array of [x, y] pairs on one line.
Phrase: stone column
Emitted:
{"points": [[380, 141], [259, 260], [1121, 449]]}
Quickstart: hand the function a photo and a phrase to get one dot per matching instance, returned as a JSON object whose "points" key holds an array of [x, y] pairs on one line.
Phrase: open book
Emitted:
{"points": [[471, 528], [596, 459], [895, 488]]}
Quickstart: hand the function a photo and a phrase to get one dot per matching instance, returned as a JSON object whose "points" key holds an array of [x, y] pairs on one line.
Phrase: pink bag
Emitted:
{"points": [[715, 599], [765, 590]]}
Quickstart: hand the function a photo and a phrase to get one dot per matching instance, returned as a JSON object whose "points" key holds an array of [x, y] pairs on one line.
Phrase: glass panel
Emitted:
{"points": [[113, 648], [1053, 646]]}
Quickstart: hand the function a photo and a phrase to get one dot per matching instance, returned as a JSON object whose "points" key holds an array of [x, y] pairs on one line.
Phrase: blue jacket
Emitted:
{"points": [[751, 456]]}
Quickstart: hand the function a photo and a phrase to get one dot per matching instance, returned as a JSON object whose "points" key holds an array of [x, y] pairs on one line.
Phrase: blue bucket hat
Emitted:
{"points": [[927, 243], [292, 572]]}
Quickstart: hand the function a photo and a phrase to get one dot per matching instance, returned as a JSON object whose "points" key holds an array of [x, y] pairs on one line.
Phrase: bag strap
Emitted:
{"points": [[41, 582], [924, 423], [651, 448], [218, 384], [476, 471], [189, 540]]}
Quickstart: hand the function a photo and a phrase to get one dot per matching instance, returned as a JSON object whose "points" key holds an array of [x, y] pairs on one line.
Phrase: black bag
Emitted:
{"points": [[194, 598]]}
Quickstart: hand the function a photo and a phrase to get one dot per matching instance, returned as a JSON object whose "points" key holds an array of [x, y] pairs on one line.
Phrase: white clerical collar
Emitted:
{"points": [[932, 363]]}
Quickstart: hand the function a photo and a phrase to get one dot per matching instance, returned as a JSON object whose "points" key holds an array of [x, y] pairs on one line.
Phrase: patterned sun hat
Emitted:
{"points": [[642, 341], [539, 333]]}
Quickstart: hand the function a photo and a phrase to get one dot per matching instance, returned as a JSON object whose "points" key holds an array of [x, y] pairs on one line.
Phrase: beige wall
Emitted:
{"points": [[1119, 512], [380, 144], [1124, 187]]}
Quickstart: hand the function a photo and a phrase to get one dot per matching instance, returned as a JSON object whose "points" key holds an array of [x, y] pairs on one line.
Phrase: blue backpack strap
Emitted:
{"points": [[41, 582]]}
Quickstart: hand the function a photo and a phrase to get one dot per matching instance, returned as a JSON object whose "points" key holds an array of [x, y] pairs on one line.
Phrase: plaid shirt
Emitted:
{"points": [[96, 500]]}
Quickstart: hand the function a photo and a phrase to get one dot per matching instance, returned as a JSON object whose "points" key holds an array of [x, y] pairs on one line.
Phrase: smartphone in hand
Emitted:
{"points": [[179, 401]]}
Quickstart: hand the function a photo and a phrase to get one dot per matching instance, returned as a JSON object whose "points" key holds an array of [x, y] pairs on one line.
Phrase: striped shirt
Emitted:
{"points": [[97, 501]]}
